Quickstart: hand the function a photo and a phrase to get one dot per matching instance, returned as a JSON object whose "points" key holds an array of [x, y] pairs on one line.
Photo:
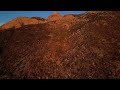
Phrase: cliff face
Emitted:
{"points": [[85, 46]]}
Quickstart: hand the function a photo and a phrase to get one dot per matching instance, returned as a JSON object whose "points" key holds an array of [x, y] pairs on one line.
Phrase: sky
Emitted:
{"points": [[6, 16]]}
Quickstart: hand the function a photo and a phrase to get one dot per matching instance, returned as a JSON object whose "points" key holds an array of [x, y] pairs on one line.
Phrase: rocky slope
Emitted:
{"points": [[85, 46]]}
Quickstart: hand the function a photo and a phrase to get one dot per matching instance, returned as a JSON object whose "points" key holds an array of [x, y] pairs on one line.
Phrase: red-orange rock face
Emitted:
{"points": [[85, 46]]}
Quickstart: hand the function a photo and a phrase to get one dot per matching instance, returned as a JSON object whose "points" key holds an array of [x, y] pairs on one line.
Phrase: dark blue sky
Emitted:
{"points": [[6, 16]]}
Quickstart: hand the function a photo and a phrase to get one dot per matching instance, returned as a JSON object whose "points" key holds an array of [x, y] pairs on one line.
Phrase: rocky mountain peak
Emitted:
{"points": [[55, 16], [56, 13]]}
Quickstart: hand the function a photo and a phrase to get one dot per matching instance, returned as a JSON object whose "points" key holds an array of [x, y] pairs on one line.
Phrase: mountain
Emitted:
{"points": [[20, 21], [83, 46], [55, 16]]}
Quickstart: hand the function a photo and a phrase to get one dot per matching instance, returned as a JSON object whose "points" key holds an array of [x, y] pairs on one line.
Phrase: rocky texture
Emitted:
{"points": [[85, 46]]}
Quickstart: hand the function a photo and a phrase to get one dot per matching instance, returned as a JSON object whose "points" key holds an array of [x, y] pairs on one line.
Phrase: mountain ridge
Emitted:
{"points": [[19, 21]]}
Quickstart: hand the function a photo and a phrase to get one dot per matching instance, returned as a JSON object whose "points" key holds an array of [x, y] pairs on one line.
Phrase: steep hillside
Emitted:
{"points": [[85, 46]]}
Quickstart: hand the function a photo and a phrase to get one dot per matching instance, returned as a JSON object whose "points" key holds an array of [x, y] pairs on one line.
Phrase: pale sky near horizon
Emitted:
{"points": [[6, 16]]}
